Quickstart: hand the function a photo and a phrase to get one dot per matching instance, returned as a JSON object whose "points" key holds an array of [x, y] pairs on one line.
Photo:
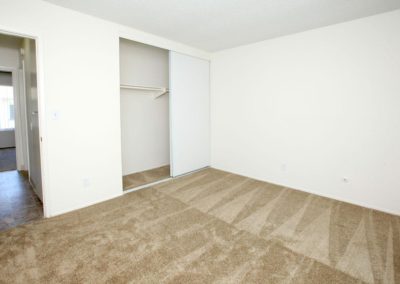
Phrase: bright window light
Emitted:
{"points": [[7, 112]]}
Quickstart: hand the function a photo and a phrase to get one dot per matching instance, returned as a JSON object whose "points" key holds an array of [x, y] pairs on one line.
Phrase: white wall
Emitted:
{"points": [[144, 120], [145, 132], [79, 79], [307, 110], [142, 64]]}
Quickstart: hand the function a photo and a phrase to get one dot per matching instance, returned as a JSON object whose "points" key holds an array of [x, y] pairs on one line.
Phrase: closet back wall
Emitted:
{"points": [[144, 120]]}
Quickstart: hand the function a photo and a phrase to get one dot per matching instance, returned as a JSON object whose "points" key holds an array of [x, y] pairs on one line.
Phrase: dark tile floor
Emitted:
{"points": [[18, 202]]}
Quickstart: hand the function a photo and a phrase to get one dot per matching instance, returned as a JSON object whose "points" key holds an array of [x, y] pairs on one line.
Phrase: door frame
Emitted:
{"points": [[125, 36], [42, 111]]}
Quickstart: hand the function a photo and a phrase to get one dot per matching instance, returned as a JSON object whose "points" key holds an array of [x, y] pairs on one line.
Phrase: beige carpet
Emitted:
{"points": [[145, 177], [8, 159], [209, 227]]}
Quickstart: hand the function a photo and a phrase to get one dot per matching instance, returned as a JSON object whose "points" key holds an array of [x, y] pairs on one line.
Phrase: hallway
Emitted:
{"points": [[18, 202]]}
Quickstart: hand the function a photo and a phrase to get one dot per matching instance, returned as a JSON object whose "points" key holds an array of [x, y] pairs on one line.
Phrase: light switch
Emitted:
{"points": [[55, 115]]}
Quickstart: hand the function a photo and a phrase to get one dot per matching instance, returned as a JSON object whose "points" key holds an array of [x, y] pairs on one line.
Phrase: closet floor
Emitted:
{"points": [[142, 178]]}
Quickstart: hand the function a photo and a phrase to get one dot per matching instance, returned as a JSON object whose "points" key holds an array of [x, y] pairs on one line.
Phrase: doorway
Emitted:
{"points": [[20, 166]]}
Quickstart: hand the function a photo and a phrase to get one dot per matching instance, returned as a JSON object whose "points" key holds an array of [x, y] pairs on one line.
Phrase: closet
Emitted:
{"points": [[165, 117]]}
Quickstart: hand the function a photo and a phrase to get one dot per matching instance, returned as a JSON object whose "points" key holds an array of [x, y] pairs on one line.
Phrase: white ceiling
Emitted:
{"points": [[219, 24]]}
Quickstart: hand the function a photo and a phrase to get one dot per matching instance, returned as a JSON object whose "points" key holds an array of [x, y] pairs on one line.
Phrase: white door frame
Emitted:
{"points": [[42, 111]]}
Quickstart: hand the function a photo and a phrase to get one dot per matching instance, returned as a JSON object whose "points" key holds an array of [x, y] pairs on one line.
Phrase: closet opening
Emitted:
{"points": [[144, 103]]}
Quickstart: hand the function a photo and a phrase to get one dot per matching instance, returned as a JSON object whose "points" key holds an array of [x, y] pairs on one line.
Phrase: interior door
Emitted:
{"points": [[189, 113], [35, 175]]}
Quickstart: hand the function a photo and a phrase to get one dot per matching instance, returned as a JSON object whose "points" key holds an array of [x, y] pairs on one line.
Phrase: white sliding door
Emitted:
{"points": [[189, 113]]}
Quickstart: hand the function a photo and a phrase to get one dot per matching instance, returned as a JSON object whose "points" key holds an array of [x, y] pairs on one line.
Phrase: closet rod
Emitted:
{"points": [[160, 94], [143, 88], [160, 91]]}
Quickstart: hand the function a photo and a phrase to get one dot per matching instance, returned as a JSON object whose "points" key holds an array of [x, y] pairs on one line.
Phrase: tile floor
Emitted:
{"points": [[18, 202]]}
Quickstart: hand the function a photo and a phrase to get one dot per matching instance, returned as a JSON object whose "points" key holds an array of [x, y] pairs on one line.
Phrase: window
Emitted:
{"points": [[7, 112], [12, 115]]}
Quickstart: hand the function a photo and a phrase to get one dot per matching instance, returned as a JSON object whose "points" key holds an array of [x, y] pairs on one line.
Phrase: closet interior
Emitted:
{"points": [[145, 133]]}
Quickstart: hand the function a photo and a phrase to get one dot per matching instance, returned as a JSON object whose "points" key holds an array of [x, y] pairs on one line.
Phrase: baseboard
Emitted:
{"points": [[361, 204], [81, 207], [146, 185]]}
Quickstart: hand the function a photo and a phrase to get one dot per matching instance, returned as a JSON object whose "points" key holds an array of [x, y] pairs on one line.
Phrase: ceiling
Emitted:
{"points": [[214, 25]]}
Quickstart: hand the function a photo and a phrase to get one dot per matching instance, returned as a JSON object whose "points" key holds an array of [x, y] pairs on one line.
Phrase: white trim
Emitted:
{"points": [[170, 117], [118, 70], [163, 180], [79, 207], [23, 115], [18, 121], [192, 172], [349, 201]]}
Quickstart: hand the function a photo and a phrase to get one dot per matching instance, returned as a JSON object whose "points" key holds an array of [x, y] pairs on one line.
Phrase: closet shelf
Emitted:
{"points": [[155, 91]]}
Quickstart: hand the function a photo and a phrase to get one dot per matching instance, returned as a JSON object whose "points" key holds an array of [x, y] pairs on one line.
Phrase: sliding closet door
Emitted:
{"points": [[189, 113]]}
